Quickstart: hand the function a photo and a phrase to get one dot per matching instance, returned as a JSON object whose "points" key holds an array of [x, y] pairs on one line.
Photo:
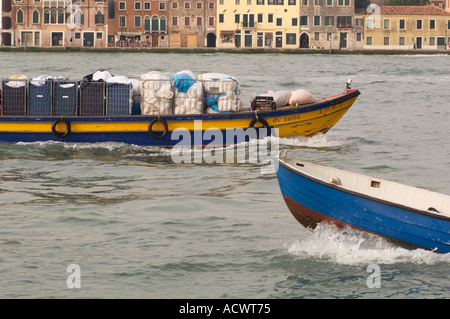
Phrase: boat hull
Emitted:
{"points": [[172, 130], [312, 202]]}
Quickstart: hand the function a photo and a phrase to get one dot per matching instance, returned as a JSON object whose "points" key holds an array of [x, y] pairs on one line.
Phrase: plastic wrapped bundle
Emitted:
{"points": [[188, 93], [301, 97], [221, 92], [156, 94]]}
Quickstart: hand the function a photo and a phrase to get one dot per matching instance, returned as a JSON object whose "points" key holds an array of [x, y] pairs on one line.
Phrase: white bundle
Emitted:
{"points": [[156, 94], [226, 87], [101, 75], [136, 90], [190, 102]]}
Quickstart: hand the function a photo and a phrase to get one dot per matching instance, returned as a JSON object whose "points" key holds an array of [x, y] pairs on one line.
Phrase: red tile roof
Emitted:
{"points": [[412, 10]]}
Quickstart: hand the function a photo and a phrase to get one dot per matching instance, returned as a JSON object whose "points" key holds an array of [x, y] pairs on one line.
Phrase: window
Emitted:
{"points": [[122, 5], [221, 18], [386, 24], [53, 16], [137, 6], [303, 20], [174, 5], [304, 2], [329, 2], [386, 40], [78, 35], [46, 17], [237, 18], [137, 21], [270, 18], [291, 3], [369, 40], [419, 24], [291, 38], [187, 5], [237, 2], [155, 23], [122, 23], [212, 5], [402, 24], [248, 20], [199, 21], [329, 21], [280, 2], [260, 2], [174, 20], [162, 6], [211, 21], [316, 36], [294, 22], [344, 21], [270, 2], [401, 40], [369, 24], [359, 36], [35, 17], [432, 41], [20, 16], [99, 18], [432, 24], [99, 35], [260, 17], [317, 20], [148, 5], [199, 5], [279, 22], [317, 2], [162, 24]]}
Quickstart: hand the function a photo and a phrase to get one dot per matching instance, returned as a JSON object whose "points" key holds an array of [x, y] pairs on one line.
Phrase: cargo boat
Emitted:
{"points": [[90, 112]]}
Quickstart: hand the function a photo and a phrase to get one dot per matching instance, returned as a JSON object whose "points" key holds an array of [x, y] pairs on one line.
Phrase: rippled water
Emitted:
{"points": [[139, 225]]}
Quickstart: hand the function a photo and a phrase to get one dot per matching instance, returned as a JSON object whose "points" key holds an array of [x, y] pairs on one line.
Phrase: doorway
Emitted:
{"points": [[57, 38], [343, 41], [304, 41], [88, 39], [419, 43]]}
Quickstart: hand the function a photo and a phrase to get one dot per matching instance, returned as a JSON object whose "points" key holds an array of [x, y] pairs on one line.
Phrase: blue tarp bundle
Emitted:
{"points": [[183, 82]]}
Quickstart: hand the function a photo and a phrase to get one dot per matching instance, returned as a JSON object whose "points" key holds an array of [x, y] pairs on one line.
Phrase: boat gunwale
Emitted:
{"points": [[319, 104], [361, 195]]}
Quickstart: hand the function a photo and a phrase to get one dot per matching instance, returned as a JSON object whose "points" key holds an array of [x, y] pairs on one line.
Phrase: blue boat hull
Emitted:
{"points": [[312, 201]]}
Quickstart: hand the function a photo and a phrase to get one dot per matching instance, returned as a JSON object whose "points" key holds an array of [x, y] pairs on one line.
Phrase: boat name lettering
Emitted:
{"points": [[292, 117]]}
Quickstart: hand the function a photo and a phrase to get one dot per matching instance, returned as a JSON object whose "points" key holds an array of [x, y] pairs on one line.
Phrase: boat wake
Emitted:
{"points": [[349, 246]]}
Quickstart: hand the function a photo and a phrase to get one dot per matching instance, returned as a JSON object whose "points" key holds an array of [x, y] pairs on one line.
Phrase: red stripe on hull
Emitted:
{"points": [[307, 217]]}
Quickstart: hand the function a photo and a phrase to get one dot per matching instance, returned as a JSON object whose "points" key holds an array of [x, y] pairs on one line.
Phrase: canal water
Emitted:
{"points": [[113, 220]]}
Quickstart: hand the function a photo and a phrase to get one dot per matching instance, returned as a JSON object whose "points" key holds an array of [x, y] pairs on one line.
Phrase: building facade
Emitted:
{"points": [[138, 23], [57, 23], [407, 28], [192, 23]]}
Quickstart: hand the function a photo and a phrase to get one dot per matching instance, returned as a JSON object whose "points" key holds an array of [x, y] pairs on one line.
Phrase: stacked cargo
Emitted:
{"points": [[65, 95], [118, 96], [40, 96], [14, 99], [221, 92], [188, 93], [156, 94]]}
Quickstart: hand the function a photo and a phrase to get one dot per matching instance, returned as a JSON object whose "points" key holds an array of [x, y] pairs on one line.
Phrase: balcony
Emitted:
{"points": [[56, 3]]}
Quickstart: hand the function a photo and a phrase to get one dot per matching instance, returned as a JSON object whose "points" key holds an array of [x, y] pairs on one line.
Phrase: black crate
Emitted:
{"points": [[92, 98], [14, 97]]}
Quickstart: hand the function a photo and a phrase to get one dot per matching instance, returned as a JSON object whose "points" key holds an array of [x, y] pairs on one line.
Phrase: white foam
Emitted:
{"points": [[353, 247]]}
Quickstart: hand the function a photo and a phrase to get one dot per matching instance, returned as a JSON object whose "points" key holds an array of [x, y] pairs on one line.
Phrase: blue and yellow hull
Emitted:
{"points": [[139, 130]]}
